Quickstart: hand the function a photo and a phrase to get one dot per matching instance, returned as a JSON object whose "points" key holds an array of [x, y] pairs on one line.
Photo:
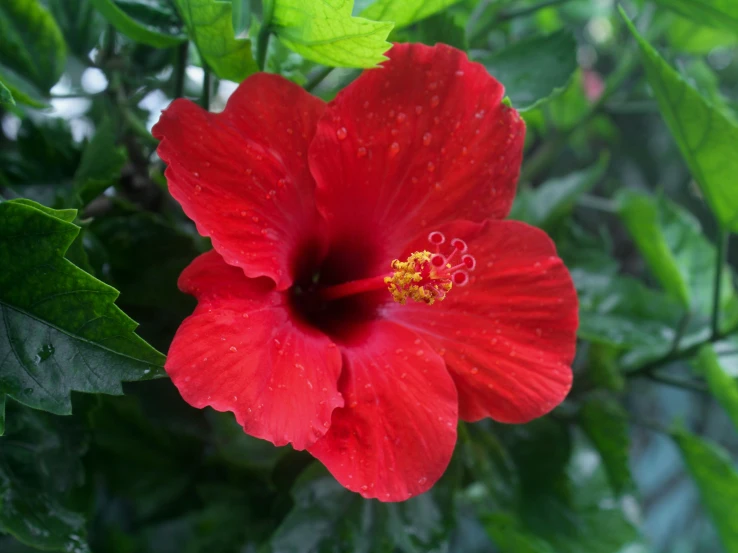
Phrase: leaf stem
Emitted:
{"points": [[262, 39], [681, 329], [180, 69], [206, 85], [720, 259], [317, 78]]}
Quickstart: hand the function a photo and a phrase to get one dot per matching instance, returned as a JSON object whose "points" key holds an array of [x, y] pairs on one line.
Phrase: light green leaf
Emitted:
{"points": [[706, 137], [717, 480], [555, 198], [677, 252], [721, 14], [61, 330], [606, 424], [210, 25], [5, 96], [722, 385], [686, 35], [536, 69], [40, 466], [31, 43], [405, 12], [325, 32], [100, 165], [159, 31]]}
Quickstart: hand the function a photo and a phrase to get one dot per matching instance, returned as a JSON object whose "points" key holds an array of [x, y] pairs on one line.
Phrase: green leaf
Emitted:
{"points": [[405, 12], [536, 69], [155, 25], [40, 466], [325, 32], [327, 517], [31, 43], [5, 96], [554, 199], [721, 14], [81, 24], [704, 134], [445, 28], [717, 480], [603, 368], [722, 385], [510, 536], [677, 252], [210, 25], [100, 165], [23, 90], [61, 330], [686, 35], [606, 424], [240, 449]]}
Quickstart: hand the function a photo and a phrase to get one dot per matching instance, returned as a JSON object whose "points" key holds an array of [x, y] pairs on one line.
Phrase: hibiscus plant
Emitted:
{"points": [[303, 276]]}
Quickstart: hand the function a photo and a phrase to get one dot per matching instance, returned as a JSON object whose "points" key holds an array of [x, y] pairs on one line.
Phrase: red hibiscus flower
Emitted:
{"points": [[337, 230]]}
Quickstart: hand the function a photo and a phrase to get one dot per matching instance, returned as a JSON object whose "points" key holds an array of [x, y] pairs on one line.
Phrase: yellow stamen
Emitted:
{"points": [[418, 280]]}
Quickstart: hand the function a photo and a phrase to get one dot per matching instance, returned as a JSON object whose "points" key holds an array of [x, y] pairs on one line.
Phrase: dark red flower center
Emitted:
{"points": [[341, 291]]}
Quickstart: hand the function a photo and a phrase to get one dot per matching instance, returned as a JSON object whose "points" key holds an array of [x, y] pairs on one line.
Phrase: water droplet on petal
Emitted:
{"points": [[341, 133], [435, 101], [361, 152], [394, 148], [427, 137]]}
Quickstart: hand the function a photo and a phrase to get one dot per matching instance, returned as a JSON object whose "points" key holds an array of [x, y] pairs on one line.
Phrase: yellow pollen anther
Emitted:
{"points": [[418, 279]]}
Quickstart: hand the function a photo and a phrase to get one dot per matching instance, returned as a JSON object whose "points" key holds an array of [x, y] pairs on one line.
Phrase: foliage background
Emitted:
{"points": [[630, 165]]}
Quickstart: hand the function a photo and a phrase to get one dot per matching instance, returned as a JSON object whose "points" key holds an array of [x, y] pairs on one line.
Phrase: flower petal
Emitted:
{"points": [[396, 433], [509, 335], [242, 174], [242, 351], [421, 141]]}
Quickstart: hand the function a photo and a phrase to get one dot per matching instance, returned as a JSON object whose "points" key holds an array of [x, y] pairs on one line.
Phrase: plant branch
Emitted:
{"points": [[720, 259], [318, 78], [180, 69], [691, 351], [676, 382], [206, 85]]}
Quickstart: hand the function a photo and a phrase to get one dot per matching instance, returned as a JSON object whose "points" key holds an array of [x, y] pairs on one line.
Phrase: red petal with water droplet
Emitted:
{"points": [[509, 336], [242, 175], [242, 351], [421, 141], [394, 437]]}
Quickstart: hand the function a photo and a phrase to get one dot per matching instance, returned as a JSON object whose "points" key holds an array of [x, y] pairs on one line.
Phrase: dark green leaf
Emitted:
{"points": [[535, 69], [80, 23], [722, 14], [61, 330], [444, 28], [24, 91], [404, 12], [722, 385], [151, 23], [704, 134], [677, 252], [100, 165], [325, 32], [606, 423], [603, 368], [327, 517], [554, 199], [210, 25], [239, 448], [717, 480], [31, 43], [40, 465], [511, 537]]}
